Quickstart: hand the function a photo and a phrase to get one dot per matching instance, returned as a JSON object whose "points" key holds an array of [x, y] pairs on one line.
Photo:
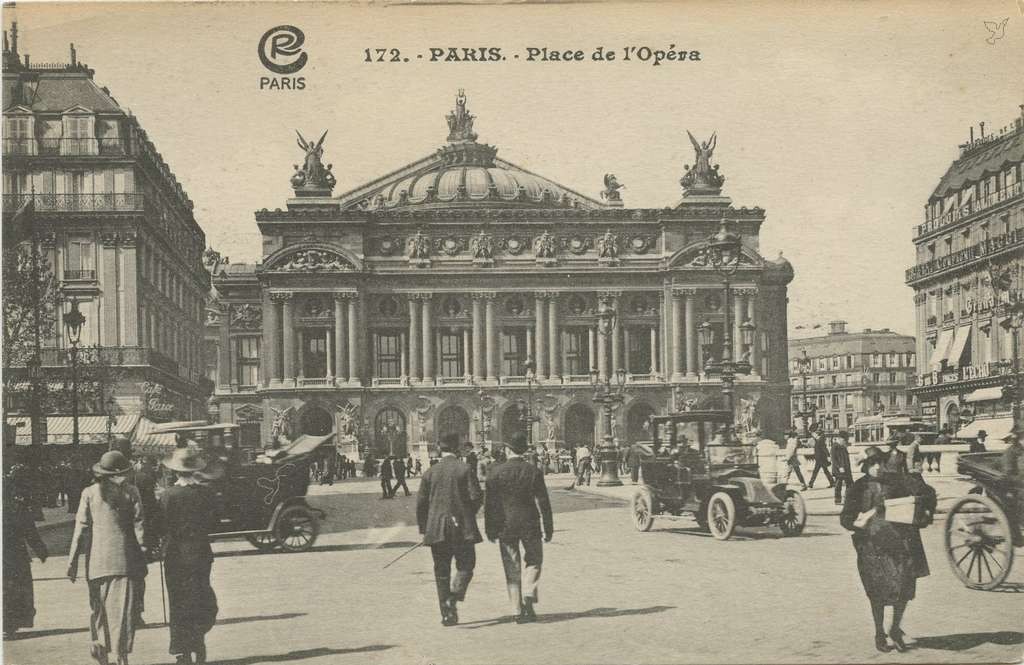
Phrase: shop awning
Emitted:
{"points": [[985, 395], [147, 441], [305, 444], [996, 428], [963, 334], [941, 348], [60, 429]]}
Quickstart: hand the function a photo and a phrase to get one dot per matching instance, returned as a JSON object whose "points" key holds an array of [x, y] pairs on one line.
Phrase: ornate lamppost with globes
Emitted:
{"points": [[722, 253], [527, 410], [610, 398], [73, 322], [807, 410], [1010, 303]]}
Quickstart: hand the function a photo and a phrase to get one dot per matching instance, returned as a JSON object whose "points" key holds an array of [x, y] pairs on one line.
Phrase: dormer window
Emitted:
{"points": [[19, 137], [79, 133]]}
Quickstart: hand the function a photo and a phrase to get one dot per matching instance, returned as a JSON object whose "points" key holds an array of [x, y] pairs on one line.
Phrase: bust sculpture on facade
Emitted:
{"points": [[702, 178], [608, 245], [313, 177]]}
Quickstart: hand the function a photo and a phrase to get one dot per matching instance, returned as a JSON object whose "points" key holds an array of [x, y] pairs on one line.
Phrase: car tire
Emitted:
{"points": [[721, 515], [642, 509], [793, 521], [264, 542]]}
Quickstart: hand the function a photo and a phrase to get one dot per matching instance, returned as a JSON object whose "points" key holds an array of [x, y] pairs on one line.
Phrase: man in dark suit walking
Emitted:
{"points": [[821, 457], [446, 510], [398, 467], [386, 473], [841, 465], [516, 502]]}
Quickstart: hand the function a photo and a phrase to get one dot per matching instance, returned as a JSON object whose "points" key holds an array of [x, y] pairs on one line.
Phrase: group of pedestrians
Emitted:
{"points": [[393, 473], [114, 527], [517, 516]]}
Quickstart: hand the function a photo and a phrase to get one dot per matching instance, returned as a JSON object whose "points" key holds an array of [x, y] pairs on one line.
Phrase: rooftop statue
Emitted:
{"points": [[703, 178], [313, 175], [460, 121], [611, 188]]}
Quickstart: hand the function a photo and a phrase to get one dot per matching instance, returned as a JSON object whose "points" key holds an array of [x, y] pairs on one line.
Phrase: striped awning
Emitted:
{"points": [[60, 429], [148, 440], [941, 348]]}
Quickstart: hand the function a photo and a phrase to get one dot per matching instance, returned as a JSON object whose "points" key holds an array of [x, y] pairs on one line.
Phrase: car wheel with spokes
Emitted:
{"points": [[795, 516], [643, 510], [296, 529], [721, 515]]}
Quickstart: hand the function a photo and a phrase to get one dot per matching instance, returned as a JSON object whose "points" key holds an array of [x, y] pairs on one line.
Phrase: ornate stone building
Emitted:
{"points": [[118, 233], [973, 233], [414, 305]]}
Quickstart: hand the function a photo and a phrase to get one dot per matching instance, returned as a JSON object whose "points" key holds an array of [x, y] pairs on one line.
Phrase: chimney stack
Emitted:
{"points": [[74, 56], [982, 123], [14, 37], [972, 134], [837, 327]]}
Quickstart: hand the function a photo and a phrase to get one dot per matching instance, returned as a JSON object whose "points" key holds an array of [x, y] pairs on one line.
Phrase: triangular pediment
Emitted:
{"points": [[77, 109], [18, 110]]}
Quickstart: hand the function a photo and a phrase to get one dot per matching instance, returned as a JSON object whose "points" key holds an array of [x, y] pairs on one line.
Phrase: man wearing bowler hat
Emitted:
{"points": [[841, 465], [516, 502], [446, 508]]}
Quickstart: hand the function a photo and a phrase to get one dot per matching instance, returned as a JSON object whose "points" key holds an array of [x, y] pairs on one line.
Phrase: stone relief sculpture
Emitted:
{"points": [[482, 245], [544, 246], [281, 427], [748, 416], [418, 246], [246, 316], [608, 245]]}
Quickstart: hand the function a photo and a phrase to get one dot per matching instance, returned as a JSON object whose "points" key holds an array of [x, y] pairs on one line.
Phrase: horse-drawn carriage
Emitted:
{"points": [[693, 467], [984, 527], [263, 501]]}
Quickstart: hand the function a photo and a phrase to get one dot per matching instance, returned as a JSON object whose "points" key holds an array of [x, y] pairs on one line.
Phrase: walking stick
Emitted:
{"points": [[400, 556], [163, 599]]}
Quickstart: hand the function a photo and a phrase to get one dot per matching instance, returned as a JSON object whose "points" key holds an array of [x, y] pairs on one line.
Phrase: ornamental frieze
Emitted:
{"points": [[246, 316], [687, 212], [313, 260]]}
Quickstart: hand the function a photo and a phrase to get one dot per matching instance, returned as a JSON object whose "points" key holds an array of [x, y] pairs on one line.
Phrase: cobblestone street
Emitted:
{"points": [[609, 595]]}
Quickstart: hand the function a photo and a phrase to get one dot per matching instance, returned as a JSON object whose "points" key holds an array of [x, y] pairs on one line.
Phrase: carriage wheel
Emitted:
{"points": [[979, 542], [296, 529], [643, 515], [264, 542], [721, 515], [795, 517]]}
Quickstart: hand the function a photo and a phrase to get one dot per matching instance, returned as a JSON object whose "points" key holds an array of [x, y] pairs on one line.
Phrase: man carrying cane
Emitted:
{"points": [[446, 510]]}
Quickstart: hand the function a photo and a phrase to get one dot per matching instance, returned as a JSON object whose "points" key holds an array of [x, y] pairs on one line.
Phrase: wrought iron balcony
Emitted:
{"points": [[110, 202], [65, 147], [80, 275]]}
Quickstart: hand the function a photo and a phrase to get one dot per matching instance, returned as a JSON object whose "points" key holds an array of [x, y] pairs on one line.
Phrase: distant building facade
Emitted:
{"points": [[409, 308], [117, 230], [973, 231], [852, 374]]}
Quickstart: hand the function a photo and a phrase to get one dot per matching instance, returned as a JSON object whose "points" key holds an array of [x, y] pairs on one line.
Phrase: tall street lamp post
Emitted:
{"points": [[531, 379], [722, 253], [73, 322], [610, 398], [111, 405], [1011, 306], [807, 410]]}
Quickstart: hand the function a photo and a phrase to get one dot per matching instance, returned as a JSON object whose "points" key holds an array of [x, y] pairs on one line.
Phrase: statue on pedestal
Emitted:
{"points": [[313, 175], [611, 188]]}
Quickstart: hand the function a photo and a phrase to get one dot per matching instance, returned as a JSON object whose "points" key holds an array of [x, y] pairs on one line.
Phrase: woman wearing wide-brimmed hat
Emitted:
{"points": [[109, 530], [188, 516], [890, 556]]}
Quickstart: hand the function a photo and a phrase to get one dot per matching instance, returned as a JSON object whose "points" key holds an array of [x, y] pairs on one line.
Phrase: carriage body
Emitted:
{"points": [[690, 469], [983, 528]]}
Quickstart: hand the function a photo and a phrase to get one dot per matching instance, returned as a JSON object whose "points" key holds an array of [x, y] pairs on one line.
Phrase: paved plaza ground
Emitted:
{"points": [[608, 595]]}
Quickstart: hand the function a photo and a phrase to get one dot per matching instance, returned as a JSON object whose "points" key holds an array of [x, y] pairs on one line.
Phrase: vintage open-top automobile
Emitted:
{"points": [[983, 527], [695, 467], [263, 501]]}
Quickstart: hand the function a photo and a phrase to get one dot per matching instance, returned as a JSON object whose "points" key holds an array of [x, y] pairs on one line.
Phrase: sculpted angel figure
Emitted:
{"points": [[611, 188], [608, 245], [482, 245], [703, 151], [313, 172], [282, 423]]}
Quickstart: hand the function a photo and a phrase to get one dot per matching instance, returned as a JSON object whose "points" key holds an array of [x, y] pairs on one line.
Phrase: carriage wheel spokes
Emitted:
{"points": [[978, 525]]}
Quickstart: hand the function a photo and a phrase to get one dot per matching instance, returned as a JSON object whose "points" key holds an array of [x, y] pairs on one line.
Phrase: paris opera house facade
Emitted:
{"points": [[461, 292]]}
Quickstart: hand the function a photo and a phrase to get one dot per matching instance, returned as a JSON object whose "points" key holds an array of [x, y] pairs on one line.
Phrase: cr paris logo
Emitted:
{"points": [[280, 49]]}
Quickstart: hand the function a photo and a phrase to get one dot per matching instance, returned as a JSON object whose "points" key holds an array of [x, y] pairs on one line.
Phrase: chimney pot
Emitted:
{"points": [[837, 327]]}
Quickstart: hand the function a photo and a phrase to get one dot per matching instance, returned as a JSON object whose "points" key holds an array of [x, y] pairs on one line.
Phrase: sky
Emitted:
{"points": [[837, 118]]}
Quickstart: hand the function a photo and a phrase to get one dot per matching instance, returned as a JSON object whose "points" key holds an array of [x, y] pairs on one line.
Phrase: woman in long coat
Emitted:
{"points": [[19, 534], [890, 556], [109, 530], [188, 515]]}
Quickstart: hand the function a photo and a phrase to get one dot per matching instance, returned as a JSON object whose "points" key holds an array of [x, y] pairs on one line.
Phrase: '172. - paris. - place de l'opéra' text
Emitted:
{"points": [[655, 56]]}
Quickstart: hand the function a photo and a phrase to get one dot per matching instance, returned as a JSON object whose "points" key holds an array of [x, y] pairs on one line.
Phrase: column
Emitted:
{"points": [[108, 287], [625, 351], [540, 336], [129, 295], [288, 337], [602, 356], [654, 349], [491, 341], [529, 345], [354, 373], [340, 339], [428, 339], [592, 348], [224, 350], [554, 352], [301, 353], [465, 352], [755, 350], [691, 333], [414, 338], [329, 369], [616, 337], [478, 339], [677, 337], [403, 357], [739, 309]]}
